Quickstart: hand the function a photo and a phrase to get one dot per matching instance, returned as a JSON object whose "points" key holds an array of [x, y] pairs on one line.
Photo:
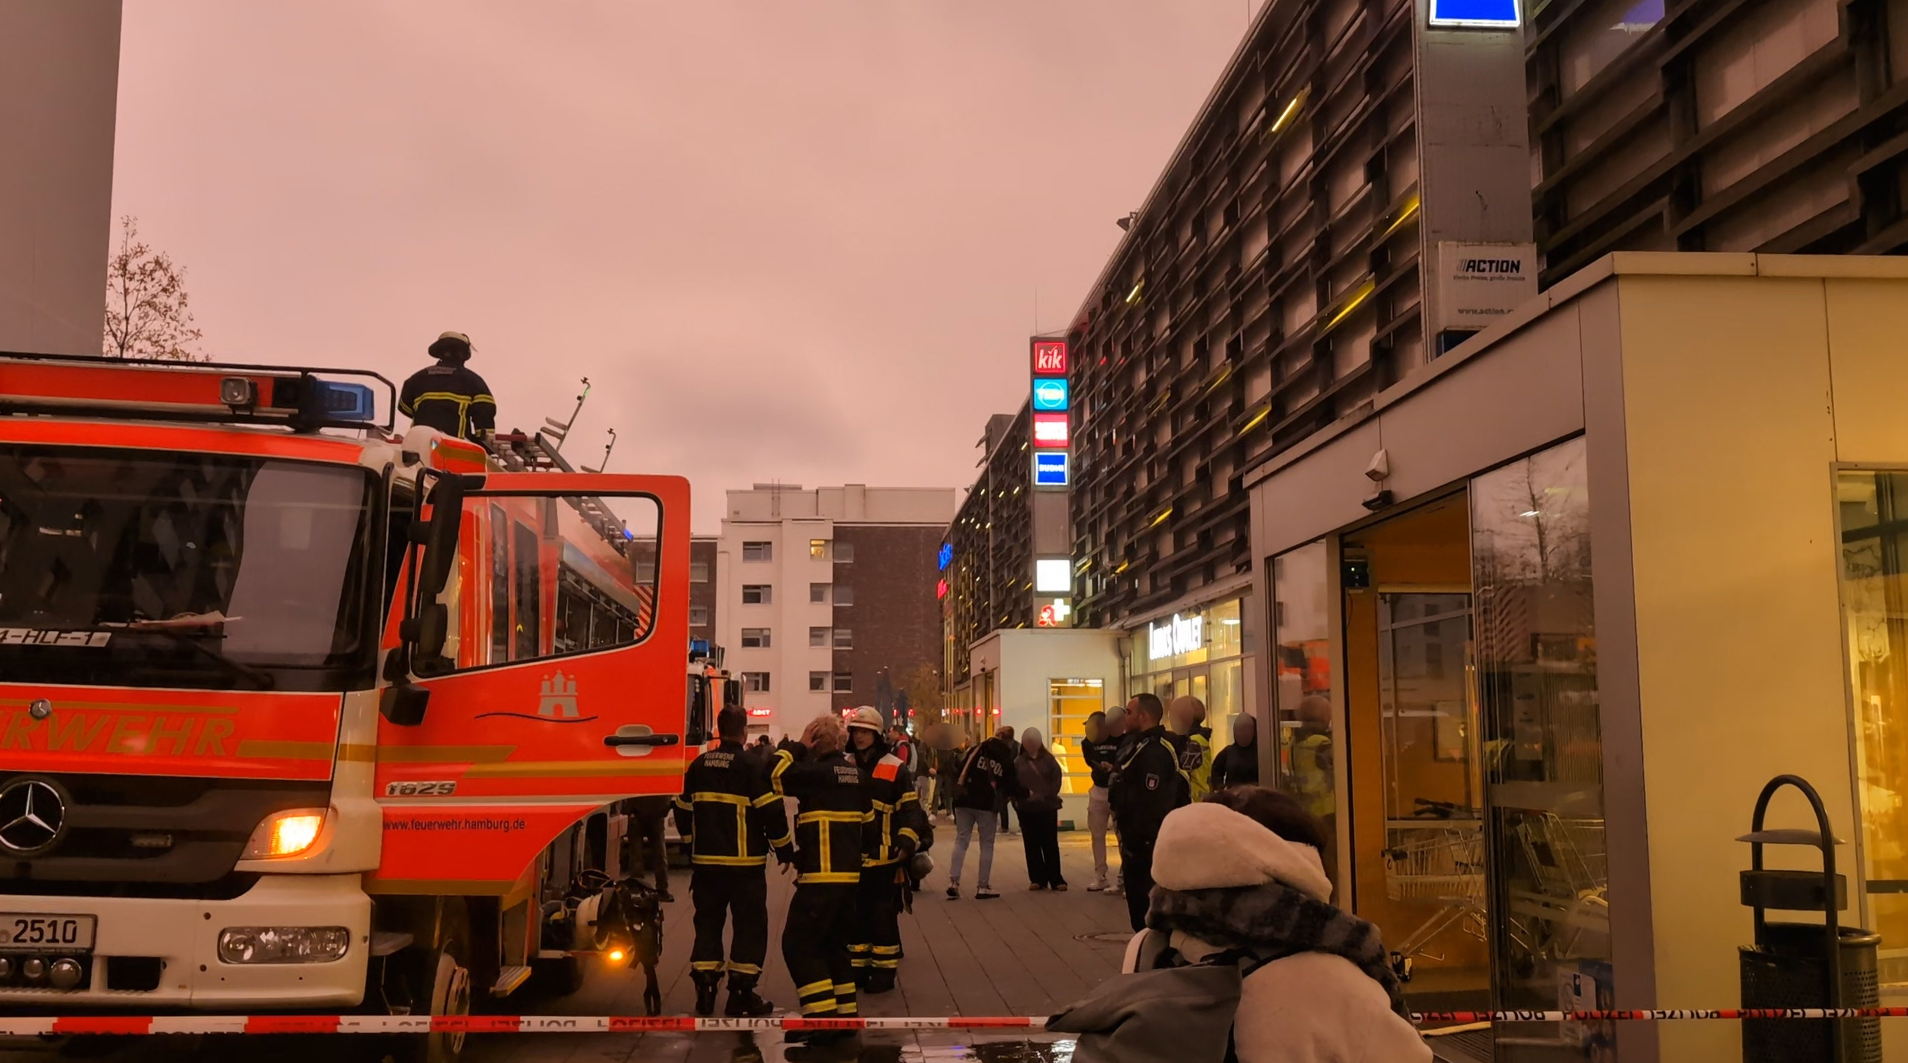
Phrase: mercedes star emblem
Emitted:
{"points": [[32, 817], [40, 709]]}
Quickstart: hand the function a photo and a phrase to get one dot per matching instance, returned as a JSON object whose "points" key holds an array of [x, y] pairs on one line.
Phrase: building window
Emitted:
{"points": [[818, 549], [643, 571], [755, 638], [818, 592], [844, 682], [698, 616], [818, 681], [758, 551], [757, 594], [844, 639], [755, 682], [844, 595], [698, 571], [818, 636], [844, 551]]}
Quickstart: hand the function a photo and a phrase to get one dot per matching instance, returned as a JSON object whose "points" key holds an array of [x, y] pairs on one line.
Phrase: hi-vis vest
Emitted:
{"points": [[897, 812]]}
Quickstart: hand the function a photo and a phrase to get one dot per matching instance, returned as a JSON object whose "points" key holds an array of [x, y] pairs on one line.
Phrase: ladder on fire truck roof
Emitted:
{"points": [[519, 451]]}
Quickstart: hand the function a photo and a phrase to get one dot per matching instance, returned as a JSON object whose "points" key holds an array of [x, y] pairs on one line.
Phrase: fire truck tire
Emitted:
{"points": [[444, 974]]}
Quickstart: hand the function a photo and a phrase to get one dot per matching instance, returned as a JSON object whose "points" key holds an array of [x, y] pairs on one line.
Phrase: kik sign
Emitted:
{"points": [[1049, 358]]}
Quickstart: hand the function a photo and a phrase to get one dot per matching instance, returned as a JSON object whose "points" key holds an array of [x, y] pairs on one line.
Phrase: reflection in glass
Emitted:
{"points": [[1302, 684], [1543, 752], [1874, 518]]}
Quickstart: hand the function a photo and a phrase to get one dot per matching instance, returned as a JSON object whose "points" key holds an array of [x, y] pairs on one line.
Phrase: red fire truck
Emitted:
{"points": [[297, 713]]}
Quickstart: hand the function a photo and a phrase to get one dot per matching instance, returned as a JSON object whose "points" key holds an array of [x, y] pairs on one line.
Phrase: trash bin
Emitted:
{"points": [[1791, 964]]}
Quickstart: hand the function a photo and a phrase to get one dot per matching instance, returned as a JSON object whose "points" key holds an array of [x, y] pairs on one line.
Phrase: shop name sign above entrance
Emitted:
{"points": [[1181, 634]]}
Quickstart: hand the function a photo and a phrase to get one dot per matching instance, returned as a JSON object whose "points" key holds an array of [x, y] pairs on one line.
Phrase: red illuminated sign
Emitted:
{"points": [[761, 712], [1051, 430], [940, 589], [1047, 618], [1049, 357]]}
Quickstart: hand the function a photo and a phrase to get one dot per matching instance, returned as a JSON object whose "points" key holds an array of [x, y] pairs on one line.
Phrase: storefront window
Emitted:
{"points": [[1535, 645], [1874, 516], [1302, 683], [1196, 654], [1070, 702]]}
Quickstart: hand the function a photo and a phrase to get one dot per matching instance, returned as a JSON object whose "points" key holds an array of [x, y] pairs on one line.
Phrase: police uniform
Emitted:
{"points": [[730, 817], [1146, 785], [895, 834], [829, 846], [448, 396]]}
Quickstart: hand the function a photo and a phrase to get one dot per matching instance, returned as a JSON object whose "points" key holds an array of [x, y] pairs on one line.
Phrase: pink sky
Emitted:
{"points": [[794, 240]]}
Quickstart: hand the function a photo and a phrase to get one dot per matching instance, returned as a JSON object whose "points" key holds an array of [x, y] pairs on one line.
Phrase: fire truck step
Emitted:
{"points": [[508, 979]]}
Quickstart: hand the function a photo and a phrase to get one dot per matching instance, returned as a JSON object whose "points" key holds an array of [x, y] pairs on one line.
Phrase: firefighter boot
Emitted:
{"points": [[706, 984], [744, 1002]]}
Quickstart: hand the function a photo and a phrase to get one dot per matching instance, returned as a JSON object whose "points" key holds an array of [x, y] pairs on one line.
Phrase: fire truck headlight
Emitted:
{"points": [[286, 834], [283, 944]]}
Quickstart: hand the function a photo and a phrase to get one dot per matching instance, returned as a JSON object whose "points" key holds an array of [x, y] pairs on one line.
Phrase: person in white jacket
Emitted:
{"points": [[1243, 870]]}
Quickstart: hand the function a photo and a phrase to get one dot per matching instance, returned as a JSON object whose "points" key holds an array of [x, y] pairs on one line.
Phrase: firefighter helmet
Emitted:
{"points": [[868, 718]]}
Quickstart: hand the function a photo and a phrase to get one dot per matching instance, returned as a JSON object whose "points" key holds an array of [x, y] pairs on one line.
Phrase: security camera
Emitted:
{"points": [[1379, 468]]}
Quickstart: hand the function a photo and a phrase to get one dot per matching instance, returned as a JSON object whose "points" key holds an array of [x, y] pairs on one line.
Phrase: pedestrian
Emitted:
{"points": [[448, 396], [1243, 873], [914, 755], [947, 769], [980, 786], [1039, 802], [1192, 739], [892, 837], [828, 849], [730, 818], [1238, 763], [1099, 748], [1145, 786], [648, 847], [1005, 802]]}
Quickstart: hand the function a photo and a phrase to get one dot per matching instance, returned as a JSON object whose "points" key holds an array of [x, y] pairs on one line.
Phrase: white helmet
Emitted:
{"points": [[868, 718]]}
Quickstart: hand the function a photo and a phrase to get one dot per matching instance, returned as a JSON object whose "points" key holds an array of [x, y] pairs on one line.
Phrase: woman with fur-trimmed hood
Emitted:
{"points": [[1243, 872]]}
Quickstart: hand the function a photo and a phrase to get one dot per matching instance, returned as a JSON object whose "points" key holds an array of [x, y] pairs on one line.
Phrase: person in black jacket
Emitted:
{"points": [[730, 818], [829, 845], [897, 831], [1238, 763], [448, 396], [1100, 748], [981, 787], [1146, 784]]}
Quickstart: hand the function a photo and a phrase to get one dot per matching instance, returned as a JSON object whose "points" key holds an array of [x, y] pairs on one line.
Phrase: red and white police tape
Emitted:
{"points": [[14, 1026]]}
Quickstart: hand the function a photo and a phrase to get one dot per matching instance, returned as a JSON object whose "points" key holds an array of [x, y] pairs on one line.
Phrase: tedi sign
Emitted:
{"points": [[1181, 634]]}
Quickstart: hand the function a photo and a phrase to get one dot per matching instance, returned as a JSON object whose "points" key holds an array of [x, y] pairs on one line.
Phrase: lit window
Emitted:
{"points": [[818, 549], [844, 595], [818, 681], [818, 636], [844, 682], [755, 638], [844, 639], [757, 594], [818, 592], [755, 682], [758, 551]]}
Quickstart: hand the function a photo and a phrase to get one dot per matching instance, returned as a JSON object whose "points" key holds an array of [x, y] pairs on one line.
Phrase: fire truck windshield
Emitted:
{"points": [[150, 568]]}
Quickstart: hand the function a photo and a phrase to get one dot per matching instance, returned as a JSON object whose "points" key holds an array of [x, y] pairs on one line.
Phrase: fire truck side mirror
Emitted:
{"points": [[403, 704]]}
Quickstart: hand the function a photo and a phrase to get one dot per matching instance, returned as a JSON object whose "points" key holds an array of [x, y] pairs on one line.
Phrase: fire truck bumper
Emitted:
{"points": [[192, 953]]}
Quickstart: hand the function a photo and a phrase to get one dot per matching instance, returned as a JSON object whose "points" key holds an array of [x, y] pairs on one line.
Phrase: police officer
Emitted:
{"points": [[829, 845], [730, 818], [449, 397], [1145, 786], [897, 829]]}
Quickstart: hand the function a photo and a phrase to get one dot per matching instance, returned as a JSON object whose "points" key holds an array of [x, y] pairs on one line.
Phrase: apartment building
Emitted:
{"points": [[826, 596]]}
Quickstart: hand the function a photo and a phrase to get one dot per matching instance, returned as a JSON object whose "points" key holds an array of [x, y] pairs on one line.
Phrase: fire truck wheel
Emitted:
{"points": [[450, 995]]}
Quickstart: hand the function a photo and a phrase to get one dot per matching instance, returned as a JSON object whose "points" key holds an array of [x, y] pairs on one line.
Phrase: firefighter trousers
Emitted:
{"points": [[876, 948], [821, 920], [717, 892]]}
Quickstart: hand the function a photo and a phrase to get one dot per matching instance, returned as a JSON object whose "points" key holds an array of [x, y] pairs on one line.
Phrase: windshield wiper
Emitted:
{"points": [[191, 639]]}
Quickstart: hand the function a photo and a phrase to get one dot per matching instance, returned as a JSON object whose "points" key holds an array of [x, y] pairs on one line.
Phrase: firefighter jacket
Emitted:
{"points": [[728, 814], [451, 399], [1146, 785], [899, 824], [834, 810]]}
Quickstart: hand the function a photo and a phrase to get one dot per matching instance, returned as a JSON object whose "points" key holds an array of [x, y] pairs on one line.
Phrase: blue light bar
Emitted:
{"points": [[346, 402]]}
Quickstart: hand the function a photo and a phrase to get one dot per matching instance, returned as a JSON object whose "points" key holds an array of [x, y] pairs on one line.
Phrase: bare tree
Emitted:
{"points": [[923, 686], [148, 314]]}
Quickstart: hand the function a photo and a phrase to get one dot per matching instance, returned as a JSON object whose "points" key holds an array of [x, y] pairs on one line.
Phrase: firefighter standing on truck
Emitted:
{"points": [[449, 397], [898, 827], [730, 818], [829, 846]]}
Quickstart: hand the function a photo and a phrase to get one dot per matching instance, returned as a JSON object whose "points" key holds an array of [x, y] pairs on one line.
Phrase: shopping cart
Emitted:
{"points": [[1562, 894], [1441, 863]]}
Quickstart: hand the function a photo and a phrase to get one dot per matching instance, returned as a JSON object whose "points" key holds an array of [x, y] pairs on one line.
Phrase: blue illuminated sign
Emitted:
{"points": [[1493, 14], [946, 556], [1049, 394], [1050, 468]]}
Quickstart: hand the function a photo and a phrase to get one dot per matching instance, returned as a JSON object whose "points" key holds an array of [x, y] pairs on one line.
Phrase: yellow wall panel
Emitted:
{"points": [[1868, 328]]}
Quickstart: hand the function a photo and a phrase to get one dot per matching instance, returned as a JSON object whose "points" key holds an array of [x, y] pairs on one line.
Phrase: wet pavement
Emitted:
{"points": [[1027, 953]]}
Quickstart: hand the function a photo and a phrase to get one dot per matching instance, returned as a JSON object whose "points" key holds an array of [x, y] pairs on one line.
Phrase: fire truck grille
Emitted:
{"points": [[137, 836]]}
